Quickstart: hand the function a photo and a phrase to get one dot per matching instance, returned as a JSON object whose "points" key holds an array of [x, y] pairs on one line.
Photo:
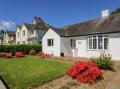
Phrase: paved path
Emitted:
{"points": [[2, 85], [115, 83]]}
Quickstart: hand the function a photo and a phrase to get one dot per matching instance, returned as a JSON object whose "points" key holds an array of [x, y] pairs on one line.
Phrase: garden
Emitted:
{"points": [[26, 67]]}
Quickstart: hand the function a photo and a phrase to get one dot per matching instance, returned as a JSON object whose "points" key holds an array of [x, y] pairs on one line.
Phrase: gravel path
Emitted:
{"points": [[2, 85]]}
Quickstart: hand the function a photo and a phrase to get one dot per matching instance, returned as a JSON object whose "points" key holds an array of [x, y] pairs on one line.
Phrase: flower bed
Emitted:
{"points": [[20, 54], [85, 72], [7, 55]]}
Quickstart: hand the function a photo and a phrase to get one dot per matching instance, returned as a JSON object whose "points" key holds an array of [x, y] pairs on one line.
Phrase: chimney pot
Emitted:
{"points": [[105, 13]]}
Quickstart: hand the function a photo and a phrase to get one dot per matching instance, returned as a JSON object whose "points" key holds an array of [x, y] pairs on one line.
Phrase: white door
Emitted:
{"points": [[75, 52]]}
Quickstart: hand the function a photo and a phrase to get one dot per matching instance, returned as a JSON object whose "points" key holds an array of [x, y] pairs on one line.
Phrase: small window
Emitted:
{"points": [[94, 42], [90, 42], [23, 33], [105, 42], [100, 42], [72, 42], [23, 42], [50, 42]]}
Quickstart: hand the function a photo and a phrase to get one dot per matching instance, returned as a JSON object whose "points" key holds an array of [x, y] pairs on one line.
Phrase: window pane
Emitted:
{"points": [[100, 42], [50, 42], [105, 43], [94, 42], [87, 44], [72, 42], [90, 42]]}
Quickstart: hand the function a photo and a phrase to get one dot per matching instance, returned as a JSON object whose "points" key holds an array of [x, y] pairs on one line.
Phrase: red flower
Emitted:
{"points": [[20, 54], [84, 72]]}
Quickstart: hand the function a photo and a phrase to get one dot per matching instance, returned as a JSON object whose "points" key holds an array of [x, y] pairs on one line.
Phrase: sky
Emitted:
{"points": [[58, 13]]}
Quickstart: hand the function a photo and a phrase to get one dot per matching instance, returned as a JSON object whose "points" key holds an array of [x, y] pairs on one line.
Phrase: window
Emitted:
{"points": [[94, 42], [100, 42], [90, 43], [18, 42], [18, 34], [23, 33], [105, 42], [97, 42], [50, 42], [23, 42], [72, 43]]}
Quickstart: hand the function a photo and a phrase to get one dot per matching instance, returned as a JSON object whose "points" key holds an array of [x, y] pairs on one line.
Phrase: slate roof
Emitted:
{"points": [[33, 27], [30, 26], [59, 31], [10, 33], [110, 24]]}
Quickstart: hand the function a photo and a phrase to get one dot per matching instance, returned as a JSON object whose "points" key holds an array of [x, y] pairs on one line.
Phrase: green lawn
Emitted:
{"points": [[20, 73]]}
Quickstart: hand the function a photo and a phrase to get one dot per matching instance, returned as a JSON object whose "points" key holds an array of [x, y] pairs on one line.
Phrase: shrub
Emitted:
{"points": [[32, 52], [44, 55], [20, 54], [85, 72], [19, 48], [104, 62], [8, 55], [1, 54]]}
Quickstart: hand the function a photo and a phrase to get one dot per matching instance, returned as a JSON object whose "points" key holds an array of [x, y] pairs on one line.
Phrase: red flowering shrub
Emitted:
{"points": [[85, 72], [8, 55], [20, 54]]}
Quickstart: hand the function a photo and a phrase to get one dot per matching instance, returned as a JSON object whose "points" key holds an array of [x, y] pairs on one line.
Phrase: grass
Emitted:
{"points": [[21, 73]]}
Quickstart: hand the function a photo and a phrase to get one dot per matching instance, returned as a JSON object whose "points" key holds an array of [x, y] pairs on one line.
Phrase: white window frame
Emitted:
{"points": [[90, 38], [51, 42]]}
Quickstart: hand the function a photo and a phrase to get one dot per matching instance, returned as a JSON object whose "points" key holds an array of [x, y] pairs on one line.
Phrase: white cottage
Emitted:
{"points": [[87, 39]]}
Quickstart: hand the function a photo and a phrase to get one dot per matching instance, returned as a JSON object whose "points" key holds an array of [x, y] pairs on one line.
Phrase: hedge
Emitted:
{"points": [[19, 48]]}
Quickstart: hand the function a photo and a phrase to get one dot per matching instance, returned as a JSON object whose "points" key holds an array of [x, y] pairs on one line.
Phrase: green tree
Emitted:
{"points": [[116, 11]]}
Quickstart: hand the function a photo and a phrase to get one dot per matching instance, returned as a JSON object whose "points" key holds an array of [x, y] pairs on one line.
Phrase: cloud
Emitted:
{"points": [[6, 24]]}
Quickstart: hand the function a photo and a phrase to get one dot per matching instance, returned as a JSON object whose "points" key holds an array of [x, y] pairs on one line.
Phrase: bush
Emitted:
{"points": [[8, 55], [32, 52], [19, 48], [1, 54], [85, 72], [20, 54], [43, 55], [104, 62]]}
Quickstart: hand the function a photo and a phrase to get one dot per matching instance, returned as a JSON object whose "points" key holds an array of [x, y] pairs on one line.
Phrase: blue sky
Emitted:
{"points": [[58, 13]]}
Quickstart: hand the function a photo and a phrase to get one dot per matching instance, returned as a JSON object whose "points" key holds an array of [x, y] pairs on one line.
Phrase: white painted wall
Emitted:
{"points": [[18, 39], [62, 44], [114, 49], [24, 38], [55, 50]]}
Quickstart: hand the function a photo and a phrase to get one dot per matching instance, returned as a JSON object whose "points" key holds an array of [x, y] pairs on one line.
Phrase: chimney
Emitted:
{"points": [[36, 20], [105, 13]]}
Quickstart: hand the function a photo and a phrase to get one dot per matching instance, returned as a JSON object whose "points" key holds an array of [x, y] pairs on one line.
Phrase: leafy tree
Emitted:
{"points": [[116, 11]]}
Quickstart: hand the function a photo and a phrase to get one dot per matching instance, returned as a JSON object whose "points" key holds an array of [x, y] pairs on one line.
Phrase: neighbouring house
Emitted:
{"points": [[87, 39], [31, 33], [9, 37], [1, 36]]}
